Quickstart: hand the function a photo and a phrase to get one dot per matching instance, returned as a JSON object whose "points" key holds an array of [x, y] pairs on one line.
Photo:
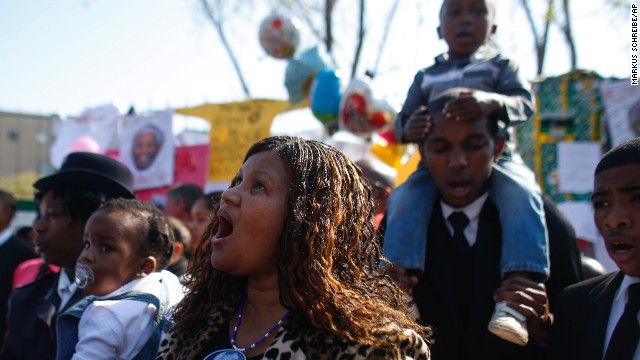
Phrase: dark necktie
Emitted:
{"points": [[624, 339], [459, 221]]}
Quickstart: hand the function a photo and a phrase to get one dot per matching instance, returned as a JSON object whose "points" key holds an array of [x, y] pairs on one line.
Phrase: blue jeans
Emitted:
{"points": [[67, 325], [511, 188]]}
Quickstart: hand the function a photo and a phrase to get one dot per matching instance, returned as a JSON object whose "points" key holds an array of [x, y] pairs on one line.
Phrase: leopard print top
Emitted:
{"points": [[293, 341]]}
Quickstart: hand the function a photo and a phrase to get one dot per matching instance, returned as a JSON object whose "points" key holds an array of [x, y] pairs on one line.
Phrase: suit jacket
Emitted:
{"points": [[455, 293], [581, 318], [13, 252], [31, 318]]}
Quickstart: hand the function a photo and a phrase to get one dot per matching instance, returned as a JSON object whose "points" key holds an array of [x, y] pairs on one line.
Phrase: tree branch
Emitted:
{"points": [[356, 60], [387, 27], [568, 35], [217, 24], [540, 42], [328, 12]]}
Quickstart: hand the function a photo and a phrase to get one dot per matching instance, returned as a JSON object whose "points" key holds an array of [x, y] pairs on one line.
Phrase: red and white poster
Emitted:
{"points": [[191, 166], [95, 130]]}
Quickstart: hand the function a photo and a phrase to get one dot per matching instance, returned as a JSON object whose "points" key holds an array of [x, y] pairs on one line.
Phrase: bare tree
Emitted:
{"points": [[568, 35], [541, 36], [215, 14], [356, 57], [540, 39], [328, 24]]}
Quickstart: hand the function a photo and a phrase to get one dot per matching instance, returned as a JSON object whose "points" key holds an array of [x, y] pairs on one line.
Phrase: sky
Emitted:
{"points": [[63, 56]]}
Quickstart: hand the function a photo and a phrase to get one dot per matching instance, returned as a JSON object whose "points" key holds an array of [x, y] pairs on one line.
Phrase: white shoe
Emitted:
{"points": [[509, 324]]}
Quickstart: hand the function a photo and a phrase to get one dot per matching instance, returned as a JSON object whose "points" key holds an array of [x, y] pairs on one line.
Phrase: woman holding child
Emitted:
{"points": [[289, 267]]}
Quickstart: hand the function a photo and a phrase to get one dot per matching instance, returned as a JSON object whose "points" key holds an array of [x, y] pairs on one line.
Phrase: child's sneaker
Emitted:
{"points": [[509, 324]]}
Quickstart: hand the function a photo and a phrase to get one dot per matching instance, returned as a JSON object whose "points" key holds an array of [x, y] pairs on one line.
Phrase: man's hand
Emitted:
{"points": [[470, 104], [418, 126], [530, 299], [400, 276]]}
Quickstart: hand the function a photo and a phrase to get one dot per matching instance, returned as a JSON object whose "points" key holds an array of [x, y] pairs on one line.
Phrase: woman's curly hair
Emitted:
{"points": [[330, 266]]}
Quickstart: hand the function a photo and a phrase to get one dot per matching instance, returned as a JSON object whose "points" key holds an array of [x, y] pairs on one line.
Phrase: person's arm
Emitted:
{"points": [[515, 95], [114, 330], [512, 101], [470, 104], [414, 100]]}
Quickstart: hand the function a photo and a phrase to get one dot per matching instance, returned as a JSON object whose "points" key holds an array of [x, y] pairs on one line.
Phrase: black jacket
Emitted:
{"points": [[582, 316], [455, 293], [31, 318], [12, 253]]}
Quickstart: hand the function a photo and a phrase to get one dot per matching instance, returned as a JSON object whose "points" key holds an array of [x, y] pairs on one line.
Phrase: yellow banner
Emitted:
{"points": [[235, 126]]}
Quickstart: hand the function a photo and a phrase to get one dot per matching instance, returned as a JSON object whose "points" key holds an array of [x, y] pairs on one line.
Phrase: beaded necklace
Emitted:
{"points": [[263, 338]]}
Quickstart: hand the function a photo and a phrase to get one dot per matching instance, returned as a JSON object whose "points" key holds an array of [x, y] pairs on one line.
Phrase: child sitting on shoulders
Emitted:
{"points": [[127, 244], [495, 89]]}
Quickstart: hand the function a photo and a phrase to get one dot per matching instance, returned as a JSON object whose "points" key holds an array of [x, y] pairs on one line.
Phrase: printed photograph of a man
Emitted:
{"points": [[147, 148], [146, 145]]}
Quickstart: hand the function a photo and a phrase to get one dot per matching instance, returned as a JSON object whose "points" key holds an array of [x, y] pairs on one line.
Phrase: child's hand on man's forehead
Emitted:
{"points": [[471, 106]]}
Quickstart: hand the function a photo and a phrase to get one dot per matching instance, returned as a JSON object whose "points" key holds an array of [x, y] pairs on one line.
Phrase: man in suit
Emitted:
{"points": [[13, 251], [593, 317], [65, 199], [461, 283]]}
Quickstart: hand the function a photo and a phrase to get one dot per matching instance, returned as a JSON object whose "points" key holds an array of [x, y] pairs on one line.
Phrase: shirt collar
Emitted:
{"points": [[623, 291], [65, 283], [5, 235], [472, 210]]}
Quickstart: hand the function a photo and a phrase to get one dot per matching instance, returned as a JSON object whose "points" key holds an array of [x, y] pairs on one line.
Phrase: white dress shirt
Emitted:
{"points": [[473, 213], [66, 288], [617, 308], [5, 235]]}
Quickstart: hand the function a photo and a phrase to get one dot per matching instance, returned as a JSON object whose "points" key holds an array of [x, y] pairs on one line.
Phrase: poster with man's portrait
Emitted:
{"points": [[147, 148]]}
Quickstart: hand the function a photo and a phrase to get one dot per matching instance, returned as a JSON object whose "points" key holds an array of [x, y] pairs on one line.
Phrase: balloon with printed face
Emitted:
{"points": [[382, 115], [354, 108], [389, 135], [360, 113], [279, 36]]}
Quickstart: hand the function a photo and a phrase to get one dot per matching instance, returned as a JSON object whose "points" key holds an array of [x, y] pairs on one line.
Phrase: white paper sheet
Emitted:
{"points": [[576, 163], [580, 215]]}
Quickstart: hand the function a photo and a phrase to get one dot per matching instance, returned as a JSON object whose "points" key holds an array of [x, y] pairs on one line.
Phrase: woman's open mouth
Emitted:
{"points": [[225, 227]]}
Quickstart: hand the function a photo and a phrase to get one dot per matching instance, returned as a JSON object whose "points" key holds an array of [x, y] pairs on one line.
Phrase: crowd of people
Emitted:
{"points": [[308, 254]]}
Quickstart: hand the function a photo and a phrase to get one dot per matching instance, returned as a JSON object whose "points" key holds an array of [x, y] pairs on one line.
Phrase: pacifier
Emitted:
{"points": [[84, 275]]}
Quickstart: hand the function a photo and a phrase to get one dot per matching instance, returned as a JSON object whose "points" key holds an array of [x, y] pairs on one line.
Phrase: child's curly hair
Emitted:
{"points": [[330, 263]]}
